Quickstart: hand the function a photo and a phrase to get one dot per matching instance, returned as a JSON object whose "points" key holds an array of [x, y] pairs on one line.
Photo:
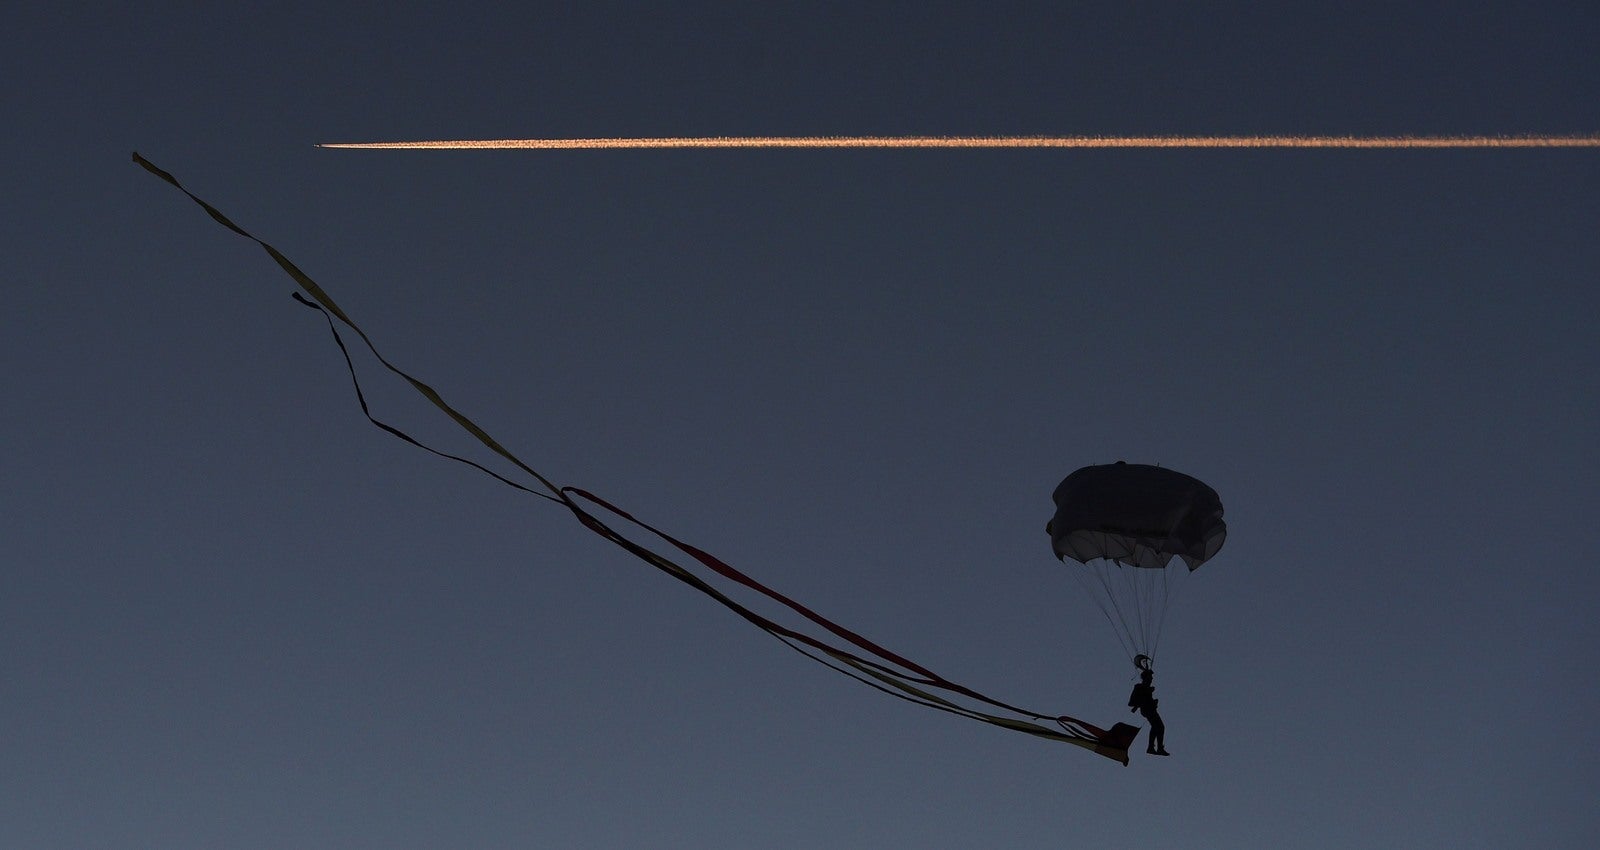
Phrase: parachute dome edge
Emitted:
{"points": [[1136, 515]]}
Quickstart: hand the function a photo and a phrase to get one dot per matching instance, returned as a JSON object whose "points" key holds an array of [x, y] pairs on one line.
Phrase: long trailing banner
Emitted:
{"points": [[858, 657]]}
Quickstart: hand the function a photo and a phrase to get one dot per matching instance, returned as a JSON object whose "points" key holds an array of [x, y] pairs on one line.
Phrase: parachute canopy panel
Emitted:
{"points": [[1137, 515]]}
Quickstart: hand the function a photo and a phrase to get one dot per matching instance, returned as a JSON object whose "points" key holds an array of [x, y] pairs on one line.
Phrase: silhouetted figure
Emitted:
{"points": [[1143, 700]]}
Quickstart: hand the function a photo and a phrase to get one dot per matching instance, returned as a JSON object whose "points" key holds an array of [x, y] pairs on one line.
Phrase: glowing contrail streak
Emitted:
{"points": [[994, 142]]}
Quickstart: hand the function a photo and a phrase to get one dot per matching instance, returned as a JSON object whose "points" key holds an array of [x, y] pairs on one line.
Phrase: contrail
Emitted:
{"points": [[993, 142]]}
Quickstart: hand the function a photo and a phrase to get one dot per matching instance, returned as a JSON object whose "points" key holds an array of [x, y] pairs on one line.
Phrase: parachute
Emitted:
{"points": [[1125, 523]]}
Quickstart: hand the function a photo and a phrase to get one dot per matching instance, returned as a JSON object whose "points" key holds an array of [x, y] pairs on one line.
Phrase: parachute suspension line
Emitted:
{"points": [[1166, 597], [1157, 609], [1106, 584], [1133, 600], [1138, 586], [1120, 624], [1142, 627], [1170, 589], [1128, 592], [1147, 613], [1151, 586], [1088, 590], [1163, 599]]}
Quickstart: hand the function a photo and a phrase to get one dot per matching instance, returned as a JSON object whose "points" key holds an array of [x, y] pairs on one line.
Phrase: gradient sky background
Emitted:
{"points": [[234, 614]]}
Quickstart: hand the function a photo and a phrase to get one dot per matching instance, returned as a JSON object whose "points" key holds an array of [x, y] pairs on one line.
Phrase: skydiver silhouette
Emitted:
{"points": [[1143, 700]]}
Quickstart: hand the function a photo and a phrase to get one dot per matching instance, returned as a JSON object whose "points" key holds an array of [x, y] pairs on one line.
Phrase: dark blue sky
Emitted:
{"points": [[232, 613]]}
